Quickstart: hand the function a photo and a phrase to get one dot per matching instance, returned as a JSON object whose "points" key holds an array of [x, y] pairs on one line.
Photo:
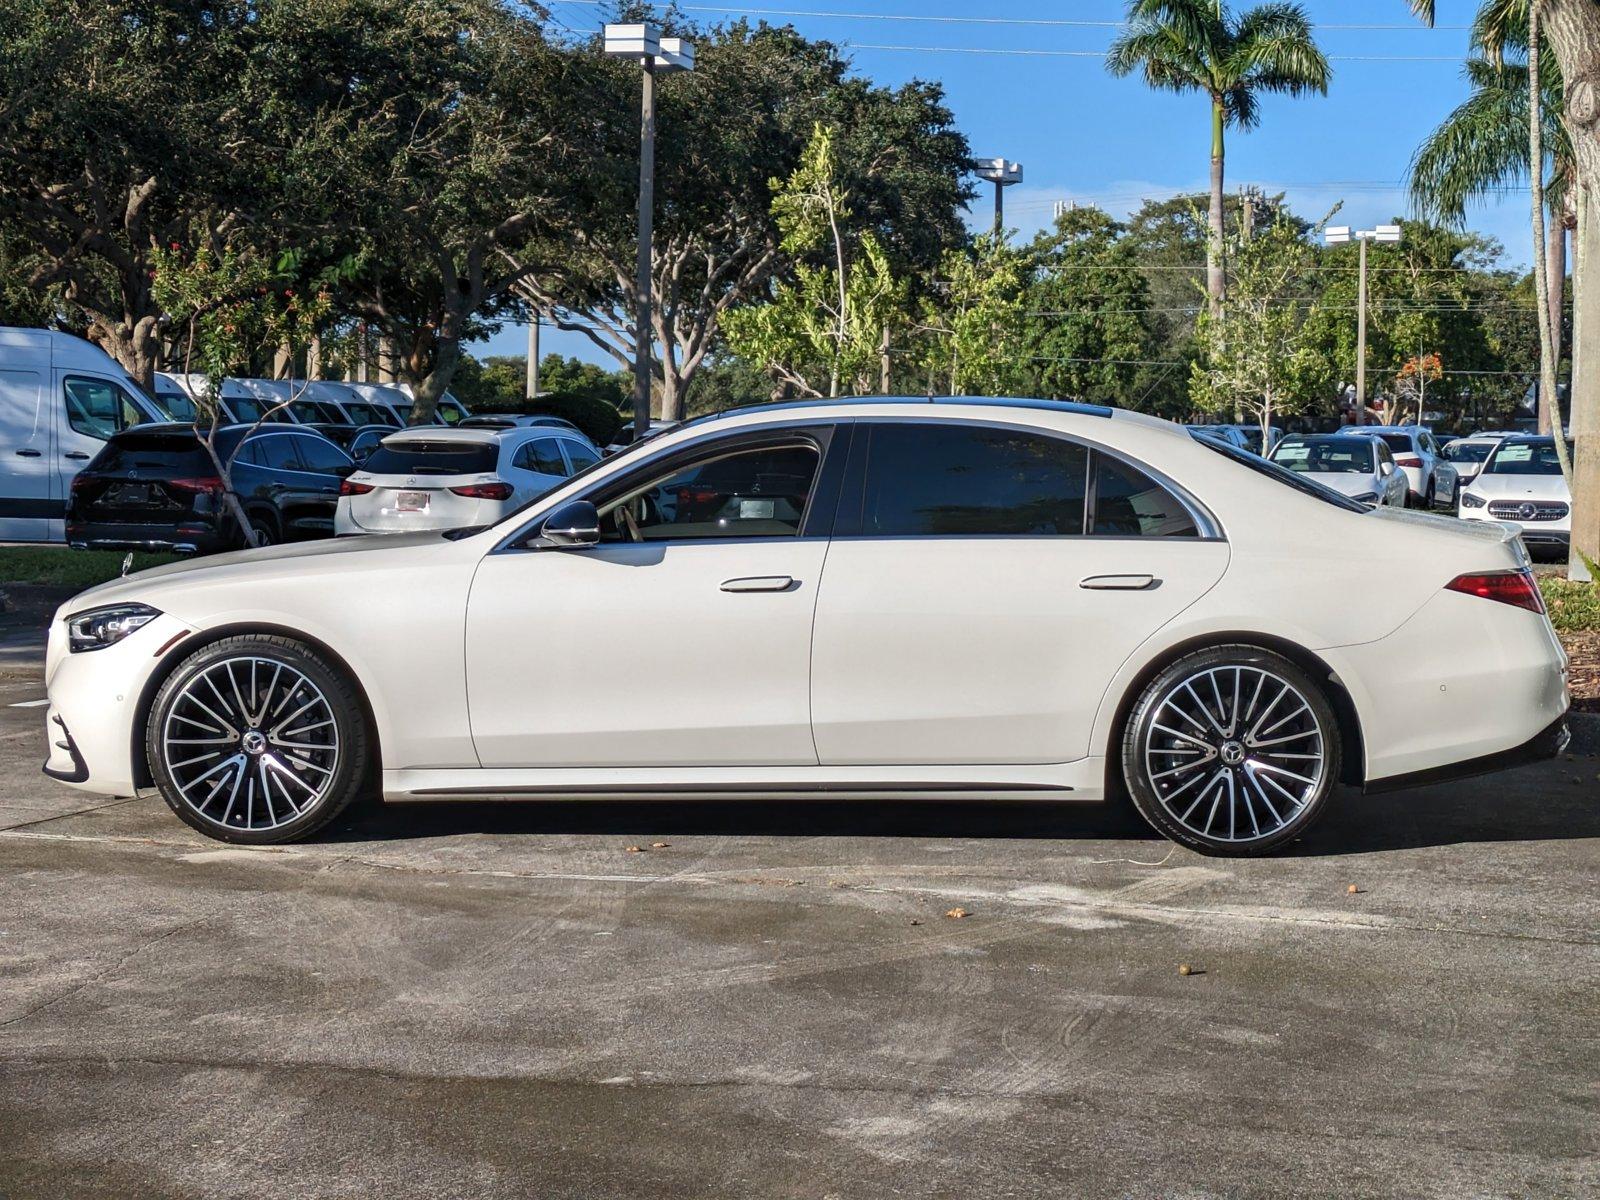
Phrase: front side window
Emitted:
{"points": [[972, 481], [757, 492], [278, 453], [99, 408]]}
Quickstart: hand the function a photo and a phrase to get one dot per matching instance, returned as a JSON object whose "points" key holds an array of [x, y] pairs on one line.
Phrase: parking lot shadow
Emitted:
{"points": [[1558, 801]]}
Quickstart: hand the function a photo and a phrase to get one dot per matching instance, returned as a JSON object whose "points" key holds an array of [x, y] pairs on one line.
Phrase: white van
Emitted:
{"points": [[397, 396], [60, 399]]}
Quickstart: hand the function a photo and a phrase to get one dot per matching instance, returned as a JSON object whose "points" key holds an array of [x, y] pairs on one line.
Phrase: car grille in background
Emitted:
{"points": [[1527, 510]]}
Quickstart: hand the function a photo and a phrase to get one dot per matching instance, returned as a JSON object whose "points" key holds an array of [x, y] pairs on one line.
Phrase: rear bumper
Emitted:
{"points": [[1546, 744], [181, 538]]}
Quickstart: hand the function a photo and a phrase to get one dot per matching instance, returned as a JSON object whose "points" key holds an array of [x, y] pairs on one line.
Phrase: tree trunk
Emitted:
{"points": [[136, 347], [1556, 273], [1541, 243], [1216, 285], [1572, 30]]}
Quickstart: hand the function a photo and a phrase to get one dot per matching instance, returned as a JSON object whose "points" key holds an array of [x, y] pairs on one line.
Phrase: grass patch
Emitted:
{"points": [[1574, 607], [58, 566]]}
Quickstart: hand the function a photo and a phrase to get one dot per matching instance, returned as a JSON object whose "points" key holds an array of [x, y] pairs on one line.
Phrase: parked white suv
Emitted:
{"points": [[1417, 454], [1521, 484]]}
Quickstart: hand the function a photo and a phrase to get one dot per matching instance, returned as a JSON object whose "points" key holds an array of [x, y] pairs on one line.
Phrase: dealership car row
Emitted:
{"points": [[101, 463]]}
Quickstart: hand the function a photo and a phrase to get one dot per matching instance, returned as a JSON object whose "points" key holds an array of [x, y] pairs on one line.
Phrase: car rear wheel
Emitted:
{"points": [[257, 739], [1231, 751], [266, 533]]}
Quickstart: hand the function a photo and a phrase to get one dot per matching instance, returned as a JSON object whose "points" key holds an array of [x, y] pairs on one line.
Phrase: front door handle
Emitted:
{"points": [[1118, 583], [759, 583], [27, 454], [75, 454]]}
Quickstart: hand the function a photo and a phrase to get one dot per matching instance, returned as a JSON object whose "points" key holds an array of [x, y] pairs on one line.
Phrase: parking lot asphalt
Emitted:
{"points": [[486, 1000]]}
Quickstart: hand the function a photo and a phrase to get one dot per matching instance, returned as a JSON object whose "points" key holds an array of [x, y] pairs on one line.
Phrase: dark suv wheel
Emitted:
{"points": [[257, 739], [1231, 751]]}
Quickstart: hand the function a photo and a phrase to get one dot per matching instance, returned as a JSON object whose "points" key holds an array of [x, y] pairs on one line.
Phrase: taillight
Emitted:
{"points": [[484, 491], [209, 483], [1508, 587], [1407, 460], [347, 488], [80, 480]]}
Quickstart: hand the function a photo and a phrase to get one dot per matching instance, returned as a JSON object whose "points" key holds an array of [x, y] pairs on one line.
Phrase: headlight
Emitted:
{"points": [[1468, 500], [1366, 498], [98, 628]]}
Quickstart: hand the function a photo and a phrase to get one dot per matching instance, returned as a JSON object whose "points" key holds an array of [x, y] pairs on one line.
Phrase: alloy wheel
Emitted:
{"points": [[250, 743], [1234, 753]]}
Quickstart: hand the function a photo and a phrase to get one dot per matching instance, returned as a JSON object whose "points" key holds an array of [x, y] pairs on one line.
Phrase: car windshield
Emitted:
{"points": [[1272, 470], [414, 456], [1468, 452], [1333, 456], [1524, 458]]}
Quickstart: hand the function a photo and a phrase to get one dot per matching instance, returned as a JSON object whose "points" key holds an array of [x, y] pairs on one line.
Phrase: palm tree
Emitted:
{"points": [[1484, 144], [1200, 46]]}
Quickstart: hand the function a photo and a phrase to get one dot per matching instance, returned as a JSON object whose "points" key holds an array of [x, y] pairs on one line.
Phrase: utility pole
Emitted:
{"points": [[1336, 235], [1002, 174], [655, 54]]}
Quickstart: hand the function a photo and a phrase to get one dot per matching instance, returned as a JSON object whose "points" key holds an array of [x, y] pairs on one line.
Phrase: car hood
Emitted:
{"points": [[1521, 487], [254, 566]]}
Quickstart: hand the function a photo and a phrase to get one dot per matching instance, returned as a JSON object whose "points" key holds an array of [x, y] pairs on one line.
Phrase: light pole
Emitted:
{"points": [[533, 357], [1337, 235], [1002, 174], [657, 55]]}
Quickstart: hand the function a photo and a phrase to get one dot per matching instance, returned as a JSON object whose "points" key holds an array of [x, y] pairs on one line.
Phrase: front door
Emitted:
{"points": [[93, 408], [985, 591], [682, 639]]}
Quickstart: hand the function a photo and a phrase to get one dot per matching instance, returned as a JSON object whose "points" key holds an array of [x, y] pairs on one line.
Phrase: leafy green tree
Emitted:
{"points": [[1201, 46], [1257, 360], [746, 112], [827, 329], [973, 326], [1086, 328]]}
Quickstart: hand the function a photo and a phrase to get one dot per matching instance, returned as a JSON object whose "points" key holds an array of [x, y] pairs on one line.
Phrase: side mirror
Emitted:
{"points": [[573, 526], [1386, 469]]}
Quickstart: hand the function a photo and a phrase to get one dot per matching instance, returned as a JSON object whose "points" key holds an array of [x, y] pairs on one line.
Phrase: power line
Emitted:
{"points": [[1030, 53]]}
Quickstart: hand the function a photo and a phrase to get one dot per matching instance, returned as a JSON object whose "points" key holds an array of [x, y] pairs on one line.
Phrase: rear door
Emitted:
{"points": [[30, 497], [982, 587]]}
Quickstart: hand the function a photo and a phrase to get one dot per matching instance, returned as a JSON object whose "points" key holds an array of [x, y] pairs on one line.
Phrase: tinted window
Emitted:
{"points": [[581, 456], [420, 457], [1332, 456], [322, 456], [278, 452], [1128, 503], [542, 455], [751, 493], [99, 408], [1468, 452], [177, 454], [309, 412], [971, 481], [178, 406], [363, 413]]}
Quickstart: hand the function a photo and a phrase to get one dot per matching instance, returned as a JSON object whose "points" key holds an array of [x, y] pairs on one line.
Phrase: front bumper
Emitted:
{"points": [[93, 724]]}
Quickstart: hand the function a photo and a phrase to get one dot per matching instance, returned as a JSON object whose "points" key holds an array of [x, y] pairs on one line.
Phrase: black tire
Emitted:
{"points": [[1253, 785], [344, 773], [264, 528]]}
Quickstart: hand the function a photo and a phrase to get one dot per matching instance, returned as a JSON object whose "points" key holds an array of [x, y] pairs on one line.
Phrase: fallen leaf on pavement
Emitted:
{"points": [[956, 913]]}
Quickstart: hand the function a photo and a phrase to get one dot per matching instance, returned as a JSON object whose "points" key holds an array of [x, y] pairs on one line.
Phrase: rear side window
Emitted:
{"points": [[99, 408], [419, 457], [972, 481], [1128, 503], [582, 457], [543, 456]]}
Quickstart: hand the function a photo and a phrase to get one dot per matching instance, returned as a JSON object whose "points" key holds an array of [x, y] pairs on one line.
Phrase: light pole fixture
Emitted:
{"points": [[657, 55], [1338, 235], [1002, 174]]}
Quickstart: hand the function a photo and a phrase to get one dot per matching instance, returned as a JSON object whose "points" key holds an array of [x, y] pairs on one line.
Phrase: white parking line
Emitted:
{"points": [[29, 704]]}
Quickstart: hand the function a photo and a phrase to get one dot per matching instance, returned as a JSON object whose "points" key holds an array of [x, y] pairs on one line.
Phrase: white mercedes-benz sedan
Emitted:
{"points": [[856, 599]]}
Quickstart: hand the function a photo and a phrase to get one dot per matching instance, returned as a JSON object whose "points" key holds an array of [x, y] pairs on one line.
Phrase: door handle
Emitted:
{"points": [[75, 454], [27, 454], [759, 583], [1118, 583]]}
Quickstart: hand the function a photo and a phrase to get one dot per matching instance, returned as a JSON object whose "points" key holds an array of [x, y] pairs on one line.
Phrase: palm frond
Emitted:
{"points": [[1160, 55], [1195, 22], [1499, 26], [1423, 9]]}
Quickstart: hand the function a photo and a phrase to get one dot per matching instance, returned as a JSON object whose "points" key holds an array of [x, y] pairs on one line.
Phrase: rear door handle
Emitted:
{"points": [[27, 454], [75, 454], [1118, 583], [758, 583]]}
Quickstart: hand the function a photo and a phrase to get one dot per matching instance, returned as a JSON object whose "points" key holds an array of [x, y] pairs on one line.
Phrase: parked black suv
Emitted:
{"points": [[154, 487]]}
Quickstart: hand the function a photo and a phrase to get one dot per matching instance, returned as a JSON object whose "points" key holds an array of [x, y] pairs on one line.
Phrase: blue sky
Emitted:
{"points": [[1084, 136]]}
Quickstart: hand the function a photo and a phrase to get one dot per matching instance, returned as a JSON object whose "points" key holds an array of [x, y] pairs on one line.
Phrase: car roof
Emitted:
{"points": [[482, 434]]}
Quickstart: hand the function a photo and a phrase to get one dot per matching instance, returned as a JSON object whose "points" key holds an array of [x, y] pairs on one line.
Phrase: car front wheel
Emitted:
{"points": [[1231, 751], [258, 739]]}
